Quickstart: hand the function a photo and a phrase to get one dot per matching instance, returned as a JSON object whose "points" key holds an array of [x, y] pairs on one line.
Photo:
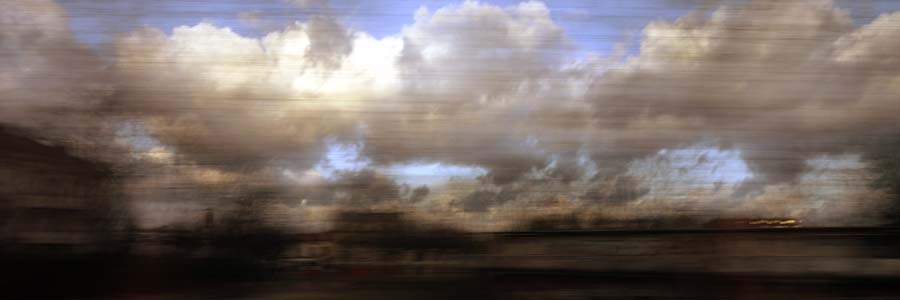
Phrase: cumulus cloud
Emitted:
{"points": [[465, 70], [220, 98], [49, 82], [779, 81], [721, 111], [773, 84], [432, 92], [310, 3]]}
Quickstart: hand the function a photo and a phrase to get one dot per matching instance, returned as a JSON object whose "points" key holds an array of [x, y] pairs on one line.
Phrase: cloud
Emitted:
{"points": [[779, 81], [502, 90], [310, 3], [432, 92], [473, 77], [220, 98], [49, 83]]}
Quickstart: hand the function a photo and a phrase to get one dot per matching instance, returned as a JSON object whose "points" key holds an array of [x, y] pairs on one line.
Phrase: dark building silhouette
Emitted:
{"points": [[52, 200]]}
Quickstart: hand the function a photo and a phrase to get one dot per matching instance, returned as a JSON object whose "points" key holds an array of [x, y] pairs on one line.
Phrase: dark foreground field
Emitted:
{"points": [[733, 264]]}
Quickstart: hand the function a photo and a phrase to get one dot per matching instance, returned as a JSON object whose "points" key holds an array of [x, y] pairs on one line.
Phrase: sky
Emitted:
{"points": [[96, 22], [611, 22], [478, 113]]}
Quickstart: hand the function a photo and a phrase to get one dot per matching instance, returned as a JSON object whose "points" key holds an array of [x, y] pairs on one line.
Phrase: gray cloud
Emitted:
{"points": [[52, 87], [477, 85], [773, 79], [45, 72], [472, 76], [219, 98]]}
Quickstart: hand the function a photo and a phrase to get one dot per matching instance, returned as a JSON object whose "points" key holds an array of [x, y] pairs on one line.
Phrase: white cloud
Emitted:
{"points": [[466, 88]]}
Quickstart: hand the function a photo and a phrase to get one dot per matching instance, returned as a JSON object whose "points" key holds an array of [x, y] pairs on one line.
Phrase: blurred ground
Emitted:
{"points": [[700, 264]]}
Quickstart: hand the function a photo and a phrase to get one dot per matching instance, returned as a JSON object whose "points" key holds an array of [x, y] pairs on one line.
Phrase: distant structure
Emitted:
{"points": [[51, 200], [753, 223]]}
